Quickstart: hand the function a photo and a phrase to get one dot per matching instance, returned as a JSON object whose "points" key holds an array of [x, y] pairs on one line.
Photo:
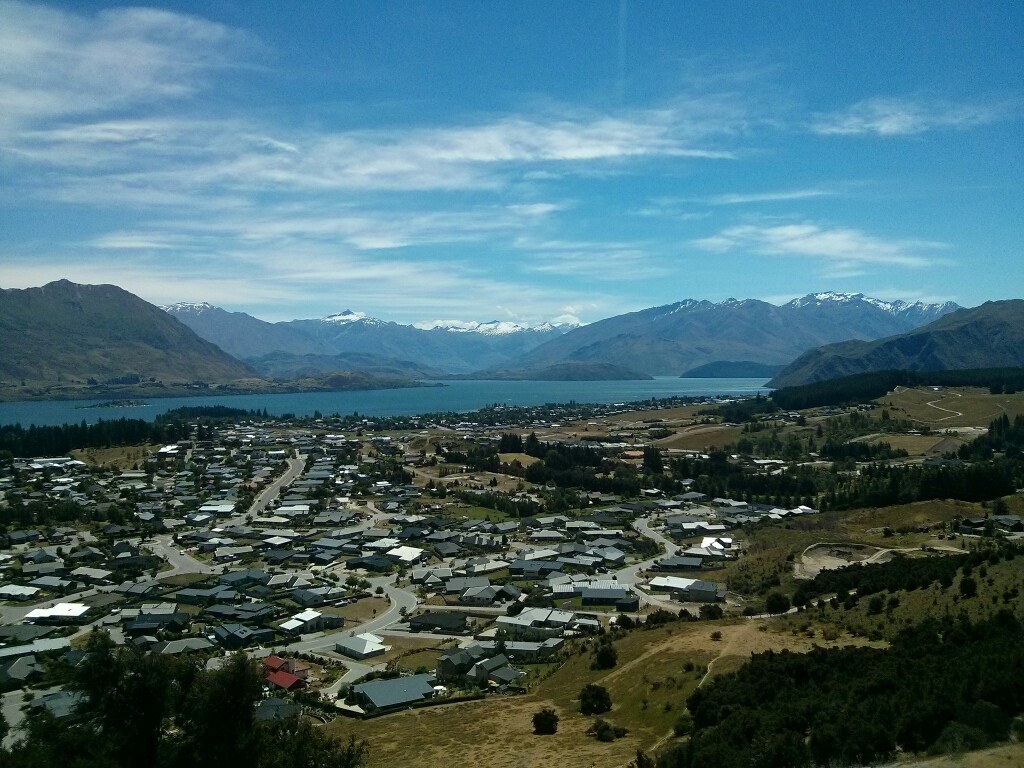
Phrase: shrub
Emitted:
{"points": [[605, 657], [545, 721], [776, 602], [594, 699], [683, 725], [605, 731]]}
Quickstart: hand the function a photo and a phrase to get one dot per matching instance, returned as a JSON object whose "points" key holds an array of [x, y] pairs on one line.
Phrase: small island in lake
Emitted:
{"points": [[118, 404]]}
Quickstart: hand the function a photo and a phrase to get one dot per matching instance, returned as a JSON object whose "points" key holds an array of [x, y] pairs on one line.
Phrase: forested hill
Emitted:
{"points": [[64, 331], [989, 336]]}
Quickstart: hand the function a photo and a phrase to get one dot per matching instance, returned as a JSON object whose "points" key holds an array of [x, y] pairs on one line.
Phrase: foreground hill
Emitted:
{"points": [[64, 332], [678, 337], [989, 336]]}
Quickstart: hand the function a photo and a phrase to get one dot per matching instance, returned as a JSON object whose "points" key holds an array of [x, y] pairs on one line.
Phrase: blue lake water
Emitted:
{"points": [[457, 396]]}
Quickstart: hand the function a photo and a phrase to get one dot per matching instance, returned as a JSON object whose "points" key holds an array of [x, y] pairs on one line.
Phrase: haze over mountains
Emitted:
{"points": [[68, 331], [286, 347], [666, 340]]}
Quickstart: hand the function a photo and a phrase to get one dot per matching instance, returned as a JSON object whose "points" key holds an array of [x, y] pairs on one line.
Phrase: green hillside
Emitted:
{"points": [[65, 332], [989, 336]]}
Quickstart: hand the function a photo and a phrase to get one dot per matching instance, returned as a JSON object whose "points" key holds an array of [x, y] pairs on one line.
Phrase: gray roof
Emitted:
{"points": [[396, 692]]}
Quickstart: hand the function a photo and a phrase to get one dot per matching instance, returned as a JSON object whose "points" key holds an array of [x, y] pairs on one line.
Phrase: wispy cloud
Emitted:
{"points": [[889, 116], [846, 251], [56, 64], [743, 198]]}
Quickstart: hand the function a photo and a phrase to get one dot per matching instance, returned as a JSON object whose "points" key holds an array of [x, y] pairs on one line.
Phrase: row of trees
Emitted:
{"points": [[168, 427]]}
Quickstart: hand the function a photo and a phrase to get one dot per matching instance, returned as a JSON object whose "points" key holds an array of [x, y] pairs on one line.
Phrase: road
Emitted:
{"points": [[295, 467], [630, 575], [179, 560]]}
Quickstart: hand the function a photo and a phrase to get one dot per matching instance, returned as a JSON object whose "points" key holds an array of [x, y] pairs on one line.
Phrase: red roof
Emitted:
{"points": [[284, 680], [274, 662]]}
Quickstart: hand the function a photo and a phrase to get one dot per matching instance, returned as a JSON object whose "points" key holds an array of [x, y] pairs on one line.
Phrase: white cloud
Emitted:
{"points": [[740, 198], [886, 116], [848, 251], [55, 64]]}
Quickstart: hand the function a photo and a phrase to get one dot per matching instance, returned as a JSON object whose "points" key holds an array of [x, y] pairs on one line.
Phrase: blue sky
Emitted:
{"points": [[527, 161]]}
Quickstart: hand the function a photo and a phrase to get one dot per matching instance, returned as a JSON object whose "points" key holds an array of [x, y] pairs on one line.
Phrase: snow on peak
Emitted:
{"points": [[491, 328], [893, 307], [185, 306], [345, 316]]}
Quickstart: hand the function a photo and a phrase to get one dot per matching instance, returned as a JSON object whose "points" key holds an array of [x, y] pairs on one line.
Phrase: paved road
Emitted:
{"points": [[179, 560], [630, 575], [295, 467]]}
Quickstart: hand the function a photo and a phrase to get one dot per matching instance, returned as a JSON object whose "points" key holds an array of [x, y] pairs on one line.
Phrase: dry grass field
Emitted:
{"points": [[1006, 756], [701, 437], [361, 610], [920, 445], [952, 407], [648, 689], [121, 457]]}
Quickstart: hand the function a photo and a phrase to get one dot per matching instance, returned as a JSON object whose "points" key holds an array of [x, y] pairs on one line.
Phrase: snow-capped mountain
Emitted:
{"points": [[918, 309], [669, 339], [448, 346], [678, 337], [491, 328], [183, 307]]}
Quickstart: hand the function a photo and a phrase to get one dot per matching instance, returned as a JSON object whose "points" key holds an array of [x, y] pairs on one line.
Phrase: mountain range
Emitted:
{"points": [[667, 340], [283, 349], [675, 338], [989, 336], [105, 335]]}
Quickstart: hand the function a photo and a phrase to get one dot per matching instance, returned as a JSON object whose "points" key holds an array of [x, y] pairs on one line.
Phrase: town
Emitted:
{"points": [[373, 566]]}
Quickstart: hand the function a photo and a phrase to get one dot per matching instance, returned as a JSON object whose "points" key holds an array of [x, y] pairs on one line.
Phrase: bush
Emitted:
{"points": [[716, 635], [776, 602], [968, 587], [545, 721], [683, 725], [605, 731], [711, 612], [595, 699], [605, 657]]}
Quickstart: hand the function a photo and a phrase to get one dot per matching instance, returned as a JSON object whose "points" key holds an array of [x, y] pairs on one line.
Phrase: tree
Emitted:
{"points": [[776, 602], [545, 721], [968, 587], [605, 657], [595, 699]]}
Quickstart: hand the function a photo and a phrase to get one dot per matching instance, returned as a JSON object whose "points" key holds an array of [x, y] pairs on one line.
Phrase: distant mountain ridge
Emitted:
{"points": [[674, 338], [446, 347], [64, 331], [989, 336]]}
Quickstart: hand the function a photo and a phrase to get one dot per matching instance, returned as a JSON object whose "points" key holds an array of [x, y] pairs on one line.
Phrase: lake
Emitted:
{"points": [[458, 396]]}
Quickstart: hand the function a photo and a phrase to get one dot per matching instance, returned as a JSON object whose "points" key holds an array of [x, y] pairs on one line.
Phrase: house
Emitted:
{"points": [[361, 646], [536, 623], [679, 563], [310, 621], [277, 709], [395, 693], [184, 645], [438, 621], [284, 680], [234, 636], [688, 590]]}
